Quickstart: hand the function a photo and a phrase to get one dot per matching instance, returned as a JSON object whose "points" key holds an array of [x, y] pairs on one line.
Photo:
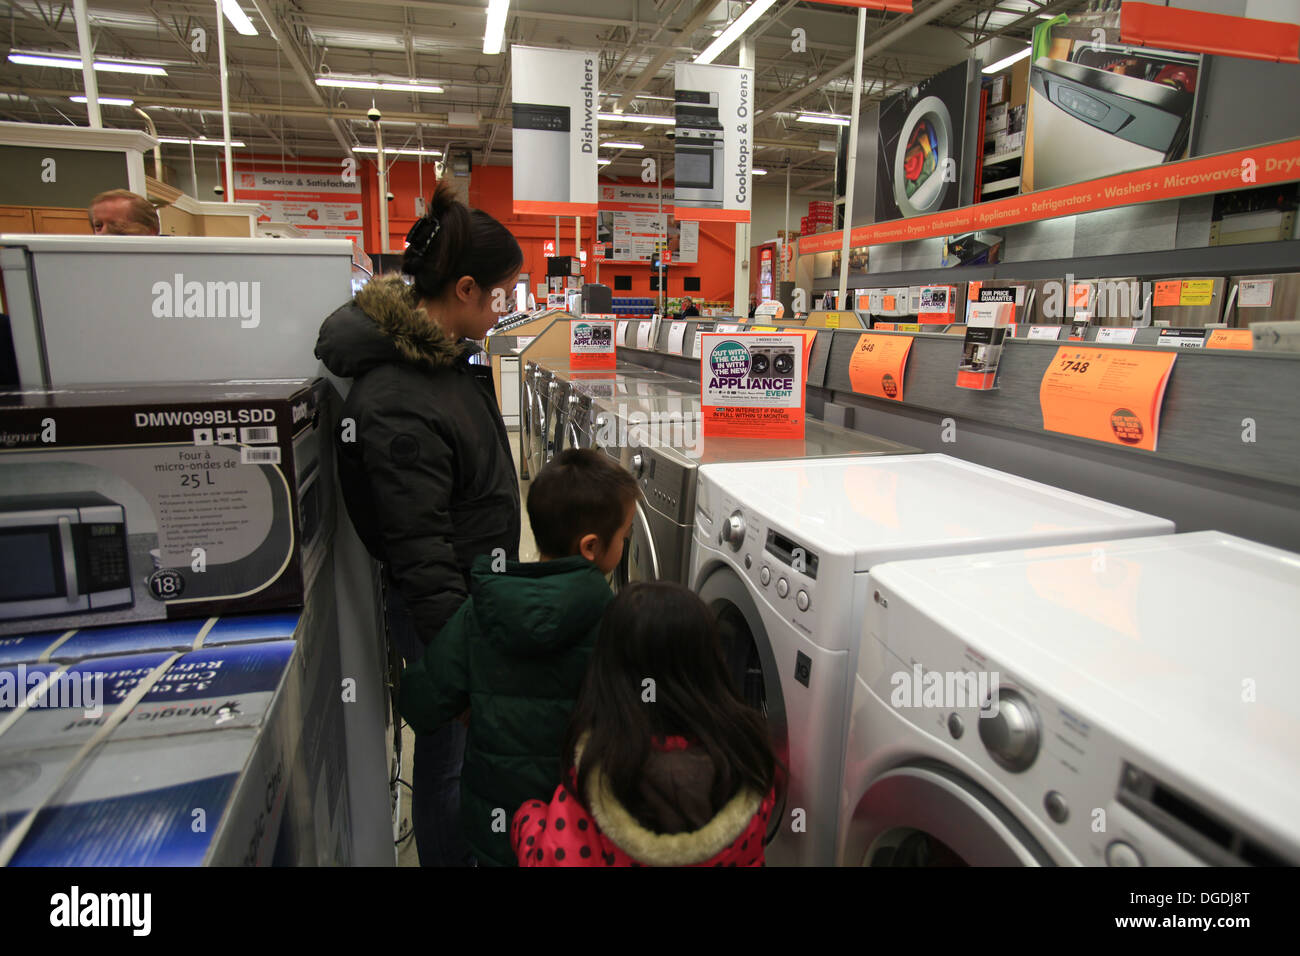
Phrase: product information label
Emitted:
{"points": [[676, 335], [878, 364], [752, 384], [1045, 331], [1109, 395], [643, 330], [1255, 293], [1230, 339], [1124, 336]]}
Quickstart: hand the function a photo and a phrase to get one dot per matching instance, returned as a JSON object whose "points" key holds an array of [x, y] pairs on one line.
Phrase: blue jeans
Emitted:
{"points": [[436, 763]]}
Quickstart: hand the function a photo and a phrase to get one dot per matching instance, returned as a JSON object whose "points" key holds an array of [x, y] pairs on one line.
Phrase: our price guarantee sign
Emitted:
{"points": [[752, 385]]}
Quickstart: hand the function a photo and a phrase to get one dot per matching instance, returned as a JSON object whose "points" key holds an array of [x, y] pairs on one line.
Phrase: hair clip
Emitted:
{"points": [[421, 235]]}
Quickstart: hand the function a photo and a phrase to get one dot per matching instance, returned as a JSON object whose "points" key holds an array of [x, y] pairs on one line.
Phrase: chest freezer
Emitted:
{"points": [[113, 309]]}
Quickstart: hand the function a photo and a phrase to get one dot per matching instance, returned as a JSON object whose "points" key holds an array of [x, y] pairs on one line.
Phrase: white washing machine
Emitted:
{"points": [[783, 554], [1145, 711]]}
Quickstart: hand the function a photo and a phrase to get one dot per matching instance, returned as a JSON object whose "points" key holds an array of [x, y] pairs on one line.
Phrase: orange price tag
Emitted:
{"points": [[1229, 339], [885, 326], [878, 364], [1079, 296], [1168, 293], [1110, 395], [891, 302], [973, 291]]}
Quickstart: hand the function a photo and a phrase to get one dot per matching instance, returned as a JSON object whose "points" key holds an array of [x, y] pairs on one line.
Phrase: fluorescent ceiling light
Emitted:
{"points": [[234, 143], [397, 152], [603, 162], [494, 35], [637, 118], [74, 63], [107, 100], [1014, 58], [738, 26], [619, 144], [379, 83], [760, 172], [823, 119], [238, 18]]}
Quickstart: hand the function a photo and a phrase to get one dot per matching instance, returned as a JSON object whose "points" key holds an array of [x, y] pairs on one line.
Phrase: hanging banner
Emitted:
{"points": [[715, 143], [555, 134], [752, 385], [890, 6]]}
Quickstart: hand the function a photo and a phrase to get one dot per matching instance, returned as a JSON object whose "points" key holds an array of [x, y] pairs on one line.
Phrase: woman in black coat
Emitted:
{"points": [[424, 461]]}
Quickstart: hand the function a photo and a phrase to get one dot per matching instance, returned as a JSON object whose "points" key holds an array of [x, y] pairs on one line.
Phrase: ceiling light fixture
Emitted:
{"points": [[603, 162], [1005, 62], [177, 141], [733, 32], [620, 144], [494, 35], [387, 85], [238, 18], [823, 119], [106, 100], [397, 152], [760, 172], [74, 63], [637, 118]]}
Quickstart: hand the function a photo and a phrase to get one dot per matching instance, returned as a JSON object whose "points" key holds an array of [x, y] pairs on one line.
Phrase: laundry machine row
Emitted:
{"points": [[784, 553], [1144, 713]]}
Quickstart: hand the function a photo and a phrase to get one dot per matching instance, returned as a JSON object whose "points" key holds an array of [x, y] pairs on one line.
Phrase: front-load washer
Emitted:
{"points": [[1144, 713], [573, 393], [666, 465], [783, 554]]}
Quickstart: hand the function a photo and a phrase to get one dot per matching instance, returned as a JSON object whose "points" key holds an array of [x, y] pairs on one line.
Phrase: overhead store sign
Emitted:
{"points": [[714, 153], [1258, 166], [892, 6], [555, 130], [319, 200], [1146, 24]]}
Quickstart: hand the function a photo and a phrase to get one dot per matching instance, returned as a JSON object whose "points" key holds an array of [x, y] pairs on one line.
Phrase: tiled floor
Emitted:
{"points": [[406, 855]]}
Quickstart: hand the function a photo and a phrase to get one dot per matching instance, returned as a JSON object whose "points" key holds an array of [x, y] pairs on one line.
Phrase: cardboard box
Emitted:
{"points": [[995, 120], [999, 89], [140, 503], [279, 767]]}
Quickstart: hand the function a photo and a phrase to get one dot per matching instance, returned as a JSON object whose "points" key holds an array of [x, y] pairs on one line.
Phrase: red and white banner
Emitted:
{"points": [[320, 200]]}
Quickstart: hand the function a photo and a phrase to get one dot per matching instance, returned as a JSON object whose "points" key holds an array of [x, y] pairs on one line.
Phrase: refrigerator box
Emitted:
{"points": [[197, 772], [124, 504], [210, 308]]}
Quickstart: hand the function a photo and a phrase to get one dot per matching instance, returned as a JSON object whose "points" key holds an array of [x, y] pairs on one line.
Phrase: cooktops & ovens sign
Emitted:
{"points": [[555, 131], [715, 143], [752, 385], [591, 344]]}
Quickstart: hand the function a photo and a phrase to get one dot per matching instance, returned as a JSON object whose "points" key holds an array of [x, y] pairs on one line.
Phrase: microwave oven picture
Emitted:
{"points": [[62, 553]]}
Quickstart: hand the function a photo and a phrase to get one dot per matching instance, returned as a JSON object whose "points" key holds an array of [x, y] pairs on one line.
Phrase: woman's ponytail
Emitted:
{"points": [[451, 241]]}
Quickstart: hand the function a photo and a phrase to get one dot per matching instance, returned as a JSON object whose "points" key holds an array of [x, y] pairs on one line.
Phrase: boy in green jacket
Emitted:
{"points": [[516, 651]]}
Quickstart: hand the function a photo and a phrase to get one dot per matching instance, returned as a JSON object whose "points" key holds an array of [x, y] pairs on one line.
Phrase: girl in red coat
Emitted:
{"points": [[666, 765]]}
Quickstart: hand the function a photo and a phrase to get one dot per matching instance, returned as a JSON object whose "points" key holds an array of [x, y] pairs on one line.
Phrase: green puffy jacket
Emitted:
{"points": [[515, 654]]}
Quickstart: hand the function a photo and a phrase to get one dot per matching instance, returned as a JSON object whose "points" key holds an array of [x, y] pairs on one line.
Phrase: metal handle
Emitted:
{"points": [[69, 558]]}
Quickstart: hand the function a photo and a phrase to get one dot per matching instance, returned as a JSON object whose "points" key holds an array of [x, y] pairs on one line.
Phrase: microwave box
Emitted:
{"points": [[136, 503]]}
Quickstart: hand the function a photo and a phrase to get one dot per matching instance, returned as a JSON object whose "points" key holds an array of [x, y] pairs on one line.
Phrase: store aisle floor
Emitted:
{"points": [[406, 854]]}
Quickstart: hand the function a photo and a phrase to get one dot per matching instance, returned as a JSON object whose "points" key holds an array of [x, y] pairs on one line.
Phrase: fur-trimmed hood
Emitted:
{"points": [[381, 325]]}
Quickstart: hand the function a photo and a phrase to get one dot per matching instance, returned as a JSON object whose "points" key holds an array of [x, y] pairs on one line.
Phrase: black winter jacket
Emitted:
{"points": [[424, 461]]}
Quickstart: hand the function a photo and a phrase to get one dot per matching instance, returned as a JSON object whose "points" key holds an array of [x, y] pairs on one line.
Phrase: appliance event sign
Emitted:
{"points": [[752, 385]]}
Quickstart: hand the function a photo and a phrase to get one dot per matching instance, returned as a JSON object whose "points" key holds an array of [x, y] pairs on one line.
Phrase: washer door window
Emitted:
{"points": [[640, 560], [928, 814]]}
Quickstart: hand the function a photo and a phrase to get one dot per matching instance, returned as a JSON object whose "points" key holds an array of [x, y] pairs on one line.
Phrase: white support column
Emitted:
{"points": [[88, 63], [225, 103], [382, 166], [852, 171]]}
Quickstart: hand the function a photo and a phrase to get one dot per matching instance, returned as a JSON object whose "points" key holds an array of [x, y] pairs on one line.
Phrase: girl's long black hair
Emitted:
{"points": [[664, 633]]}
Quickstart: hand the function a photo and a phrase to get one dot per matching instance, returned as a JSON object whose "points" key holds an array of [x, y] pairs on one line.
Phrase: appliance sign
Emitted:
{"points": [[753, 384], [555, 130], [714, 149]]}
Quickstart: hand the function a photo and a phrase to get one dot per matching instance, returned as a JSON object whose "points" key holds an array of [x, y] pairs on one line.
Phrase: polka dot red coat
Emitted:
{"points": [[565, 833]]}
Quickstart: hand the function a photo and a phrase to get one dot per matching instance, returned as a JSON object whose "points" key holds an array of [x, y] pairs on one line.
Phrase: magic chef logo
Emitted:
{"points": [[180, 299]]}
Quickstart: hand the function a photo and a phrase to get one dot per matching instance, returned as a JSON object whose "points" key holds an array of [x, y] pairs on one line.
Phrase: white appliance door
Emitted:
{"points": [[927, 814]]}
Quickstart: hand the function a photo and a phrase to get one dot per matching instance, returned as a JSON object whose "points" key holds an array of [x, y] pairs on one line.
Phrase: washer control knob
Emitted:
{"points": [[733, 530], [1120, 853], [783, 587], [956, 726], [1011, 735], [802, 600], [1057, 806], [765, 575]]}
